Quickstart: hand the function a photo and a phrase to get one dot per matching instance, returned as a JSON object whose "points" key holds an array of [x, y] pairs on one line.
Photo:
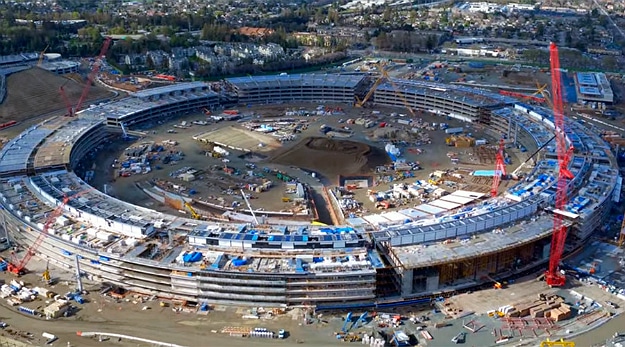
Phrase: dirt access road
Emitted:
{"points": [[156, 324]]}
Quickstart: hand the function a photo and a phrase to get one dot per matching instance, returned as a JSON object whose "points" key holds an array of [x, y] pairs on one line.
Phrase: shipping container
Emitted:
{"points": [[454, 130]]}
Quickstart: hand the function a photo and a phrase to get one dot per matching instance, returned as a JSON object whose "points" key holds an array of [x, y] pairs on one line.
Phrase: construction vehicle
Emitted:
{"points": [[496, 284], [434, 182], [194, 214], [46, 274], [351, 337], [18, 267], [557, 343], [383, 205], [553, 276]]}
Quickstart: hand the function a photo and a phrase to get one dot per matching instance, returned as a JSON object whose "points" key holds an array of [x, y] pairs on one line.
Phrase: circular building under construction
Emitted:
{"points": [[459, 241]]}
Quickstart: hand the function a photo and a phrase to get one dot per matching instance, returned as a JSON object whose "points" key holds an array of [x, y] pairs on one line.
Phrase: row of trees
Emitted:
{"points": [[406, 41], [223, 70]]}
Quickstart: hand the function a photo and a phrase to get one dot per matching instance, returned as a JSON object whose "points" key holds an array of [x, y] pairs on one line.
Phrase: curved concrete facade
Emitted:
{"points": [[328, 267]]}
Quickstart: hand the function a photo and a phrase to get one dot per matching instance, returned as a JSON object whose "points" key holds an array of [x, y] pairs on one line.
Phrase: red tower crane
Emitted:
{"points": [[68, 105], [500, 168], [564, 151], [97, 64], [18, 267]]}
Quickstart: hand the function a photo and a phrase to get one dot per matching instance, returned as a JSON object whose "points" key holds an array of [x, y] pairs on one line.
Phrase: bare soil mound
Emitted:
{"points": [[34, 92], [331, 157]]}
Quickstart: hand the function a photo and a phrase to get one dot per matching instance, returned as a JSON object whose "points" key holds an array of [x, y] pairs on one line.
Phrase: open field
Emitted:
{"points": [[235, 136], [35, 92]]}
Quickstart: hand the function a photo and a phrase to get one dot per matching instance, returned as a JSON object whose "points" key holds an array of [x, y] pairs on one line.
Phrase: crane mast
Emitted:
{"points": [[500, 168], [564, 152]]}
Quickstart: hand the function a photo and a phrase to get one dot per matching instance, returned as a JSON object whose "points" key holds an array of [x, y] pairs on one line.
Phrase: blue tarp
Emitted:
{"points": [[239, 262], [192, 257]]}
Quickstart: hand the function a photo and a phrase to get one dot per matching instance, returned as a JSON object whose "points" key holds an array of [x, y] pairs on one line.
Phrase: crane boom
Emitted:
{"points": [[194, 214], [553, 277], [518, 169], [68, 105], [361, 103], [401, 95], [384, 76], [94, 72], [19, 267], [42, 55], [249, 206]]}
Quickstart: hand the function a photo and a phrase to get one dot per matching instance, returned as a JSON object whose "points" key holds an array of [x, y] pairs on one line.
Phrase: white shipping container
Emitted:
{"points": [[454, 130], [104, 236]]}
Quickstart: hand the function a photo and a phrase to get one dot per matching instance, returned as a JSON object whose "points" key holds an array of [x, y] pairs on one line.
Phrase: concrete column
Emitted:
{"points": [[431, 284], [406, 282]]}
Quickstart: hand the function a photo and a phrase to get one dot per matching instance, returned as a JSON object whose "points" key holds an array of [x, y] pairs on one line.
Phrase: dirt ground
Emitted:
{"points": [[333, 157], [148, 320], [336, 156], [360, 153], [34, 92], [490, 74]]}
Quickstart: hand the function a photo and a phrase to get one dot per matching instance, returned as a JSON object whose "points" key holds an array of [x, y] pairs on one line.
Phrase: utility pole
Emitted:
{"points": [[78, 277]]}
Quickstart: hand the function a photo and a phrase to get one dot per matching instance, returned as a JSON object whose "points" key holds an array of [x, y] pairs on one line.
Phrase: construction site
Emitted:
{"points": [[433, 191]]}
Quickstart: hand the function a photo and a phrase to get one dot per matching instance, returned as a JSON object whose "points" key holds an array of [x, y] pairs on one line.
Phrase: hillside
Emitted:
{"points": [[34, 92]]}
